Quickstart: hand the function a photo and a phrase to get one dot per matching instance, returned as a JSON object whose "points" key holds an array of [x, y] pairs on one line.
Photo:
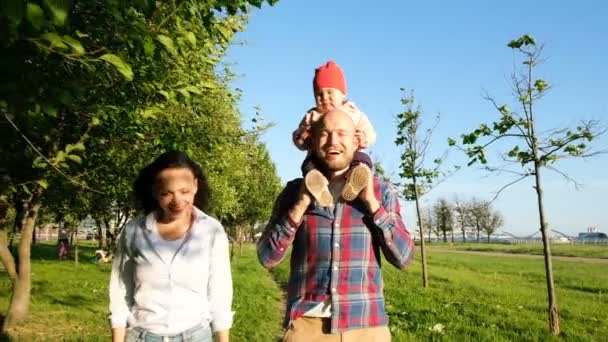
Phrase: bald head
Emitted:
{"points": [[334, 140]]}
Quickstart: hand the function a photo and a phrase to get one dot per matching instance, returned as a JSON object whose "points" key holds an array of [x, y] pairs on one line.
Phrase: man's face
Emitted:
{"points": [[334, 141]]}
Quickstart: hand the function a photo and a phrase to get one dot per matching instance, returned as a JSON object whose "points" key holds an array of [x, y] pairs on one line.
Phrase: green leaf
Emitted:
{"points": [[140, 135], [190, 38], [54, 39], [451, 142], [34, 15], [49, 109], [59, 9], [121, 66], [194, 90], [43, 183], [95, 121], [76, 159], [77, 148], [165, 94], [75, 45], [81, 35], [167, 43]]}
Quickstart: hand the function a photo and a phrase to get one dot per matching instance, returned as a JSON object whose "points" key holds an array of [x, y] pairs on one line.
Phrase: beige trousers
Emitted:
{"points": [[312, 329]]}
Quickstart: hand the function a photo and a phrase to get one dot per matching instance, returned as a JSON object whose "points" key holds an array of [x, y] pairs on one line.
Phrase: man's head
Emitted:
{"points": [[334, 141]]}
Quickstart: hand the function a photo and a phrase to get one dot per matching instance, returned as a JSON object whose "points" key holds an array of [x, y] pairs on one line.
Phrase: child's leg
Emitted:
{"points": [[316, 183], [358, 176], [362, 158]]}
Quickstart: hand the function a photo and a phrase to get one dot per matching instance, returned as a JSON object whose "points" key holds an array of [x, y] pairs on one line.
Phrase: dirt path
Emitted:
{"points": [[515, 255]]}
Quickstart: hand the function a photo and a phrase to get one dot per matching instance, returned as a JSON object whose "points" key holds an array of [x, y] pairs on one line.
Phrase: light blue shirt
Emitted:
{"points": [[167, 295]]}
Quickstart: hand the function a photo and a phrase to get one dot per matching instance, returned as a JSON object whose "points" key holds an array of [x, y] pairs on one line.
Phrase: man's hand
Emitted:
{"points": [[302, 203], [368, 197]]}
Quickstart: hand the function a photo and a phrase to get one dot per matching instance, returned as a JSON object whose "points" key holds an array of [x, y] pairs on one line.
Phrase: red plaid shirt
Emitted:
{"points": [[336, 255]]}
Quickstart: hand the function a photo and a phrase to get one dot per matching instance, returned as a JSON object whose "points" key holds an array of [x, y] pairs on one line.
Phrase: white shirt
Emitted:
{"points": [[167, 294]]}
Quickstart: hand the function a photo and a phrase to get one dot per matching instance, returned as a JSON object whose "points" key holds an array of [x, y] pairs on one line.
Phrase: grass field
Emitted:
{"points": [[587, 251], [472, 297]]}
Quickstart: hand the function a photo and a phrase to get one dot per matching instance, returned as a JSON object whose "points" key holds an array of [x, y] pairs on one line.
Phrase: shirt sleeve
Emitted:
{"points": [[280, 230], [121, 283], [220, 283], [395, 241]]}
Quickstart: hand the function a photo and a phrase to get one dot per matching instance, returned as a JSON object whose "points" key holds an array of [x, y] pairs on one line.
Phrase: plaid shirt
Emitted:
{"points": [[336, 255]]}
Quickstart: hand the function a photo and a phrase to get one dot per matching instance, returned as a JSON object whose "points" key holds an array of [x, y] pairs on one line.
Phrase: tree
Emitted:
{"points": [[463, 216], [493, 221], [418, 176], [478, 213], [443, 217], [533, 151], [85, 83]]}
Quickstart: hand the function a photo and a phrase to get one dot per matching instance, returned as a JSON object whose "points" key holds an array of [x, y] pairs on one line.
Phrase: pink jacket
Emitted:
{"points": [[364, 128]]}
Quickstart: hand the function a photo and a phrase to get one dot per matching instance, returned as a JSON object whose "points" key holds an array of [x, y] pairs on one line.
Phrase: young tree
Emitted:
{"points": [[419, 177], [463, 216], [477, 210], [533, 150], [493, 221], [444, 218]]}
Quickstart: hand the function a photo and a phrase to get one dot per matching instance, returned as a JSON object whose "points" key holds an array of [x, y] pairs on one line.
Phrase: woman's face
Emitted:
{"points": [[175, 190]]}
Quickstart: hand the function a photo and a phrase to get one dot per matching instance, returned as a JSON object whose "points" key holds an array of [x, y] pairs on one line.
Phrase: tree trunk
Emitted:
{"points": [[478, 236], [464, 236], [20, 299], [75, 245], [7, 258], [452, 235], [34, 236], [445, 237], [429, 234], [552, 308], [489, 237], [425, 276]]}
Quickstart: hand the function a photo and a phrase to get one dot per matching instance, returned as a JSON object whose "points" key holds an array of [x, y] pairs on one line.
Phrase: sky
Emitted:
{"points": [[450, 54]]}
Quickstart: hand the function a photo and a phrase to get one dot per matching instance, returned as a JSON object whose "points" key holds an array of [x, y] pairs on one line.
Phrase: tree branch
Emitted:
{"points": [[577, 185], [508, 185]]}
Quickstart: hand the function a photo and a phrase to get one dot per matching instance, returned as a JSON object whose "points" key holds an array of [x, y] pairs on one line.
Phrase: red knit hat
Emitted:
{"points": [[329, 75]]}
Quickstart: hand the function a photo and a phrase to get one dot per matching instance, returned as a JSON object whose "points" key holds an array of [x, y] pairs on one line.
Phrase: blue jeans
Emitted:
{"points": [[199, 333]]}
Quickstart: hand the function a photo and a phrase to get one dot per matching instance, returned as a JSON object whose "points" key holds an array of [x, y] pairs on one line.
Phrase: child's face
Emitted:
{"points": [[328, 99]]}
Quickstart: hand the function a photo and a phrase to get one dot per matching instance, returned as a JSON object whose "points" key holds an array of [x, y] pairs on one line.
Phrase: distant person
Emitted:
{"points": [[335, 287], [171, 277], [329, 90], [63, 243]]}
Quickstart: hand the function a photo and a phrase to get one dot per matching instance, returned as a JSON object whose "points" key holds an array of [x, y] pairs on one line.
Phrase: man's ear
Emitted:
{"points": [[358, 138]]}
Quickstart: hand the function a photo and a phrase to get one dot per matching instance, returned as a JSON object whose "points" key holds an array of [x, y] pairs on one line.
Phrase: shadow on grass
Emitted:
{"points": [[71, 300]]}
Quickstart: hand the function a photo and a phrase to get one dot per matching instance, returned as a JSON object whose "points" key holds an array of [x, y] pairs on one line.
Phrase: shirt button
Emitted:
{"points": [[291, 229], [333, 289], [281, 249], [335, 268], [336, 244], [388, 243]]}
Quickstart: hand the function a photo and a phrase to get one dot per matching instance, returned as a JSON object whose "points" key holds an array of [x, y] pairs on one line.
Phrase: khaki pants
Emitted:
{"points": [[312, 329]]}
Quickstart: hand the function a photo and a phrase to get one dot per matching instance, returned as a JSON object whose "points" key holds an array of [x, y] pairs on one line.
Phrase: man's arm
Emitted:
{"points": [[395, 241], [284, 222]]}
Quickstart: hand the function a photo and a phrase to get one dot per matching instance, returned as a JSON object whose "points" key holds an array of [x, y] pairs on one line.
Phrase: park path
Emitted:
{"points": [[515, 255]]}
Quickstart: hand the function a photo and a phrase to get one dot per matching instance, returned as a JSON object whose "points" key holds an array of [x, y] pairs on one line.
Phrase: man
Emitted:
{"points": [[335, 290]]}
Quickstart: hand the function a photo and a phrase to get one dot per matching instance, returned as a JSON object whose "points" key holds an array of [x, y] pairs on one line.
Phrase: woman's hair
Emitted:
{"points": [[146, 180]]}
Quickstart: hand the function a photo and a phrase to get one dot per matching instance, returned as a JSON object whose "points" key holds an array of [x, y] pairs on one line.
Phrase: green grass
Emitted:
{"points": [[474, 297], [70, 303], [585, 251]]}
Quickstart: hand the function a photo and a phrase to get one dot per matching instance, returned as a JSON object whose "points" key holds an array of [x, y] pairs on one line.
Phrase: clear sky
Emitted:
{"points": [[449, 52]]}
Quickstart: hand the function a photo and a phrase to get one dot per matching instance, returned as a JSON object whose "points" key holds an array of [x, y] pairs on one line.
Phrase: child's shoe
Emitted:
{"points": [[357, 180], [316, 184]]}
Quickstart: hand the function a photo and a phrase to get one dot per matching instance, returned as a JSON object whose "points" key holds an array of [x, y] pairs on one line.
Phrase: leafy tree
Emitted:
{"points": [[92, 90], [533, 151]]}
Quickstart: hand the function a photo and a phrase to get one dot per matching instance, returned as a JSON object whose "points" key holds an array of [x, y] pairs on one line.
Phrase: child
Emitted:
{"points": [[329, 88]]}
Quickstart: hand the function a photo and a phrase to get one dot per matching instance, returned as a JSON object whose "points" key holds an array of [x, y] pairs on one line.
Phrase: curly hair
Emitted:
{"points": [[146, 180]]}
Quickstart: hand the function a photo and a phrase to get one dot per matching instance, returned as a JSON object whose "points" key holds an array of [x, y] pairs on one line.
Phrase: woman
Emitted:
{"points": [[171, 276]]}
